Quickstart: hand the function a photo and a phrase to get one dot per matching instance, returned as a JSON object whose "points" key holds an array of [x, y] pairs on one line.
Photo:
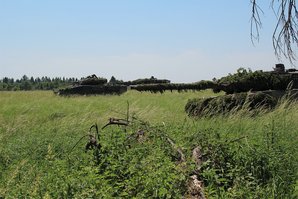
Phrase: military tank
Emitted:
{"points": [[93, 80], [247, 89], [291, 74], [243, 81], [92, 85]]}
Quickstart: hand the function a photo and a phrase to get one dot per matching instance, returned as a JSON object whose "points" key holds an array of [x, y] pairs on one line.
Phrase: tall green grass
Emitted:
{"points": [[39, 129]]}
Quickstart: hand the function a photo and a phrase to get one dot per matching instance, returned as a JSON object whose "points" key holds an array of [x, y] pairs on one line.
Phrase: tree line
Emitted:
{"points": [[47, 83], [43, 83]]}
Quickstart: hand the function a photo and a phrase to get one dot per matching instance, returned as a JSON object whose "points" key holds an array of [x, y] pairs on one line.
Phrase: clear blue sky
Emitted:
{"points": [[181, 40]]}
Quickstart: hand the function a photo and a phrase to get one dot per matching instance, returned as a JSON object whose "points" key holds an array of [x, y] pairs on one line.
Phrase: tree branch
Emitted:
{"points": [[285, 35], [286, 30], [255, 21]]}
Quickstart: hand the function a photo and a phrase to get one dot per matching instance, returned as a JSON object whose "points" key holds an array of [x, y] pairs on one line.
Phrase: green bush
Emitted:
{"points": [[233, 169]]}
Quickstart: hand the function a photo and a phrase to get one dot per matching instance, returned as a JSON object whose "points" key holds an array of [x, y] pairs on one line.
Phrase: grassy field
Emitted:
{"points": [[39, 129]]}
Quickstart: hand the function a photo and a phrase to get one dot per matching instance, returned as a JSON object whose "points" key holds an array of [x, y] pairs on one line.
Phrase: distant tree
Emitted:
{"points": [[16, 87], [285, 35], [32, 80], [26, 85], [24, 78], [11, 81], [5, 80]]}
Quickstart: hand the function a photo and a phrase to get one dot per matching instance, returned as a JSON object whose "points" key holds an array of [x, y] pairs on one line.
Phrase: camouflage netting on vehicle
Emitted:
{"points": [[151, 80], [244, 81], [93, 80], [226, 104], [202, 85], [93, 90]]}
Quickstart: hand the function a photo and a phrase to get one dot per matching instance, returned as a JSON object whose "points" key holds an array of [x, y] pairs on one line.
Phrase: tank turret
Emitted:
{"points": [[93, 80], [279, 68]]}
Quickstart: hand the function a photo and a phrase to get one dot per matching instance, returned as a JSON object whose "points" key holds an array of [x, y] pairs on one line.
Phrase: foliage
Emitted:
{"points": [[235, 169], [139, 167], [44, 83], [285, 36]]}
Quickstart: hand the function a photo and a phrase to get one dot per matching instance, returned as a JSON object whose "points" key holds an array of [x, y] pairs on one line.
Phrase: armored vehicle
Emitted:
{"points": [[92, 85]]}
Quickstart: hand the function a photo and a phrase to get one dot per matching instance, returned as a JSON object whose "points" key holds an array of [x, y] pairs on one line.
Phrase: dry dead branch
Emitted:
{"points": [[178, 149], [115, 121]]}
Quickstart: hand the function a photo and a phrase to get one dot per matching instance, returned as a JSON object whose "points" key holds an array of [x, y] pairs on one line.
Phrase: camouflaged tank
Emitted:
{"points": [[247, 90], [244, 81], [92, 85], [291, 74], [93, 80]]}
